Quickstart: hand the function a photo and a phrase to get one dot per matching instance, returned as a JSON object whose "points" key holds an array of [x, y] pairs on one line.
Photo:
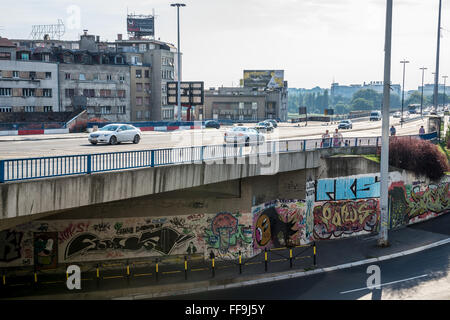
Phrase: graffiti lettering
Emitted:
{"points": [[72, 229], [162, 240], [10, 245], [101, 227], [348, 188], [333, 219], [195, 217]]}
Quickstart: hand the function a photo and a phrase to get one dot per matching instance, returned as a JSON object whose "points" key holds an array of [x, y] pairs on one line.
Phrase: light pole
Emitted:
{"points": [[445, 78], [178, 5], [421, 98], [403, 89], [384, 160], [436, 74]]}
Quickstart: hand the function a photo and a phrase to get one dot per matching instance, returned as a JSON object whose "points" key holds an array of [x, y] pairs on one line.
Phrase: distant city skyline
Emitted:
{"points": [[316, 42]]}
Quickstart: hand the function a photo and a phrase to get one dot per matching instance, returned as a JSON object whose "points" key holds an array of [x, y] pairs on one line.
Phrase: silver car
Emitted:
{"points": [[243, 135], [116, 133]]}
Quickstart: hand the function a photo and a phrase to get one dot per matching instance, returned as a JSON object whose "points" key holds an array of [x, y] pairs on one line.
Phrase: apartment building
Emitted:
{"points": [[26, 85]]}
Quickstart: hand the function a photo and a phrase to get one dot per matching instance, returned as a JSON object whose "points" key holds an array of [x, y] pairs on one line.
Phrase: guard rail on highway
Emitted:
{"points": [[46, 167]]}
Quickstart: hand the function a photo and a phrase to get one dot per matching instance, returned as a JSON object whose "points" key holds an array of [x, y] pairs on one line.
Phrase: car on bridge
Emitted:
{"points": [[345, 124], [212, 124], [249, 136], [264, 126], [273, 122], [116, 133]]}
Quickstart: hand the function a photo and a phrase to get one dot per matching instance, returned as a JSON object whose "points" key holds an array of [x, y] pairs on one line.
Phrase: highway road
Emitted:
{"points": [[78, 144], [424, 275]]}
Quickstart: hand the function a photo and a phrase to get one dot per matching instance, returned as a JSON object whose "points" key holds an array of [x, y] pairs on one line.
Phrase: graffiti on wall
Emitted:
{"points": [[280, 223], [225, 233], [10, 245], [410, 203], [45, 250], [343, 218], [348, 188]]}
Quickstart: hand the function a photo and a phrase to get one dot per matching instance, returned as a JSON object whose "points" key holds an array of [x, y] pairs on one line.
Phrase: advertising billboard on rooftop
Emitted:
{"points": [[141, 26], [264, 78]]}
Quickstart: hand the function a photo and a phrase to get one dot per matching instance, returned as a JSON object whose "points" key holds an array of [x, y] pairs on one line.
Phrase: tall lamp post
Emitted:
{"points": [[403, 89], [436, 74], [178, 5], [421, 98], [445, 78]]}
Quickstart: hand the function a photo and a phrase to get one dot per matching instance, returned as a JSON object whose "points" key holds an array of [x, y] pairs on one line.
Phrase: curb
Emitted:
{"points": [[285, 276]]}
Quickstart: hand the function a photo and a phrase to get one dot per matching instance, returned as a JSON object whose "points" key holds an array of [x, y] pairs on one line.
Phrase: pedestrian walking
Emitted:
{"points": [[393, 131], [325, 140], [337, 138]]}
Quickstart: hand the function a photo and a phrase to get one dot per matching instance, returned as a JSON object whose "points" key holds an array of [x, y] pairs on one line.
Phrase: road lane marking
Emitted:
{"points": [[385, 284]]}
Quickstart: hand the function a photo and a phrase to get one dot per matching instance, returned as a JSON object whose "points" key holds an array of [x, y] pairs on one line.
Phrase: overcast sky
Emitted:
{"points": [[314, 41]]}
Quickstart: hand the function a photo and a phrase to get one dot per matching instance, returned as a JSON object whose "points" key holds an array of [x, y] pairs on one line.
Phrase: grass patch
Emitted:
{"points": [[372, 157]]}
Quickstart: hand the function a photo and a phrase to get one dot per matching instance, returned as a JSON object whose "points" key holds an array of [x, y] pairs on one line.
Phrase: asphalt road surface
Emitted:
{"points": [[423, 275], [78, 143]]}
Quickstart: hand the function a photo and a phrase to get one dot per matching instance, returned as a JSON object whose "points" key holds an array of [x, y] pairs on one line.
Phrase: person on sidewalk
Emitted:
{"points": [[337, 138], [421, 130], [325, 140], [393, 131]]}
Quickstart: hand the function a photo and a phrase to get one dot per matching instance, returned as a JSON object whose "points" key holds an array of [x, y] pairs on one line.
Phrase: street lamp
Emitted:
{"points": [[421, 98], [178, 5], [403, 89], [436, 74], [445, 78]]}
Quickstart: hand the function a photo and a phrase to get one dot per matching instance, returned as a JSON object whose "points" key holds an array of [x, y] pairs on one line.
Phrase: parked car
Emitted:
{"points": [[273, 122], [212, 124], [345, 124], [398, 114], [375, 115], [116, 133], [264, 126], [243, 135]]}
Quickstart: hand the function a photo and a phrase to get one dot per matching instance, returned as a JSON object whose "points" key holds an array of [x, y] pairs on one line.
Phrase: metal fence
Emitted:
{"points": [[45, 167]]}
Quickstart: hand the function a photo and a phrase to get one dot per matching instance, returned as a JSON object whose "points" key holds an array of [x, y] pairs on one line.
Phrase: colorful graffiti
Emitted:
{"points": [[226, 232], [343, 218], [348, 188], [10, 245], [45, 250], [280, 223], [417, 202]]}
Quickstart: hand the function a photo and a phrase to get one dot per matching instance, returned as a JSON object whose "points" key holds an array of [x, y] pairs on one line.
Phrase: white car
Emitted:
{"points": [[243, 135], [116, 133], [398, 114]]}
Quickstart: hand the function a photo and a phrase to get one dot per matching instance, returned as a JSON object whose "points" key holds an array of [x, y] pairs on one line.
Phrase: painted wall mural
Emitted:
{"points": [[348, 188], [337, 219], [280, 223]]}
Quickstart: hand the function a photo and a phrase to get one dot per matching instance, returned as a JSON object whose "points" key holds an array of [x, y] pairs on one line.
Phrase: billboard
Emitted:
{"points": [[142, 26], [264, 78], [191, 92]]}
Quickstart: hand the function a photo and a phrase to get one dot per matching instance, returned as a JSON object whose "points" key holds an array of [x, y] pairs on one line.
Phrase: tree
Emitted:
{"points": [[362, 104], [373, 97]]}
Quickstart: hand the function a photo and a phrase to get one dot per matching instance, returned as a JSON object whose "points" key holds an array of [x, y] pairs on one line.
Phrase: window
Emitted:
{"points": [[67, 76], [82, 76], [25, 56], [121, 109], [89, 93], [5, 109], [46, 57], [147, 115], [32, 75], [48, 75], [48, 109], [5, 92], [47, 92], [147, 73], [139, 87], [5, 56], [138, 114], [147, 101], [121, 77], [70, 93], [105, 93], [15, 74], [147, 87], [106, 110], [108, 77], [142, 47], [121, 93], [139, 101], [254, 105], [138, 73], [29, 109], [29, 92], [95, 76]]}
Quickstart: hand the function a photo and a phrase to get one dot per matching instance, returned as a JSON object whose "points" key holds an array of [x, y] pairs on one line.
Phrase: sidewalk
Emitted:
{"points": [[331, 255]]}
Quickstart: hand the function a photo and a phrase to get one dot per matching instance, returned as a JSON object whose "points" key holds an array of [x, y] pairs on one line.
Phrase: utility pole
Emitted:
{"points": [[403, 89], [178, 5], [384, 166], [445, 78], [421, 98], [436, 74]]}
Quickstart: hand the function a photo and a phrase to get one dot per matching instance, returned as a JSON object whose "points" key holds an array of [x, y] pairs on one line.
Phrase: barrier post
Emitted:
{"points": [[315, 250], [89, 164], [212, 256], [128, 272], [35, 282], [185, 268], [152, 158], [156, 267], [3, 279], [97, 275], [265, 259], [304, 145], [290, 258], [202, 148], [240, 262]]}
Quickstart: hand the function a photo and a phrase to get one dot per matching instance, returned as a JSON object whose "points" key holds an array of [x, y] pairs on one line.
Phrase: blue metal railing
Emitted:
{"points": [[46, 167]]}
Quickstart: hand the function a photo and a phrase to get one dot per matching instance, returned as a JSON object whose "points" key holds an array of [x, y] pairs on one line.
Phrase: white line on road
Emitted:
{"points": [[385, 284]]}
